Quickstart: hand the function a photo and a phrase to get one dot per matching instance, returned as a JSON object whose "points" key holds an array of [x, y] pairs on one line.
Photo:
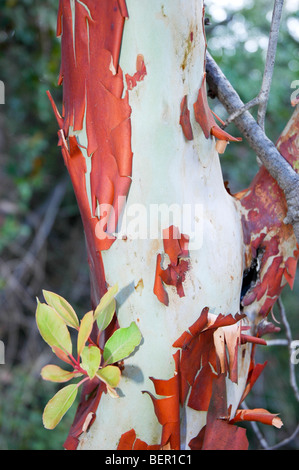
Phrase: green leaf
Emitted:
{"points": [[59, 405], [121, 344], [106, 308], [84, 331], [55, 373], [91, 359], [105, 316], [62, 307], [53, 328], [110, 375]]}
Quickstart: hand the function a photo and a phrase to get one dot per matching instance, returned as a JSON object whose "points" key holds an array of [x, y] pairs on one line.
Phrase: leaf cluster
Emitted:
{"points": [[54, 318]]}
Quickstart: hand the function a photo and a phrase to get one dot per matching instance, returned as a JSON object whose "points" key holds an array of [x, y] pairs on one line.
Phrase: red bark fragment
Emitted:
{"points": [[167, 409], [197, 442], [123, 8], [202, 389], [252, 339], [176, 247], [129, 441], [138, 75], [205, 118], [254, 372], [199, 358], [260, 415], [185, 119], [219, 434]]}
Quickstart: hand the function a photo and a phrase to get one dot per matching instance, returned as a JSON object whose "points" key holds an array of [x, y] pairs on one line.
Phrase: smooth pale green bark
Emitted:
{"points": [[168, 169]]}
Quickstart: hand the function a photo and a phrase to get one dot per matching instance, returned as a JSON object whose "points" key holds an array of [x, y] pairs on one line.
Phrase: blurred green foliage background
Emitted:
{"points": [[41, 239]]}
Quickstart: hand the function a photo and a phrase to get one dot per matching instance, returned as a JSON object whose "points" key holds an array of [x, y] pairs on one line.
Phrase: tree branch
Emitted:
{"points": [[262, 98], [275, 163], [270, 61]]}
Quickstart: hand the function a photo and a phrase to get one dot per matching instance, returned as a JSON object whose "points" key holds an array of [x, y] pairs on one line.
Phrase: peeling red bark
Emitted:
{"points": [[218, 434], [253, 374], [176, 247], [138, 75], [167, 409], [185, 119], [266, 236], [204, 116], [200, 361], [90, 41], [129, 441]]}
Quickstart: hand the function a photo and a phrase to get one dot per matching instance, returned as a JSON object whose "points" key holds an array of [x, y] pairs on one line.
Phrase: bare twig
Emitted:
{"points": [[277, 342], [241, 110], [285, 441], [17, 272], [270, 60], [286, 324], [44, 229], [262, 98]]}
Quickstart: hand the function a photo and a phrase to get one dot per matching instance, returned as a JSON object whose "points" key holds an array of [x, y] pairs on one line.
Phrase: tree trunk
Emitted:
{"points": [[141, 146]]}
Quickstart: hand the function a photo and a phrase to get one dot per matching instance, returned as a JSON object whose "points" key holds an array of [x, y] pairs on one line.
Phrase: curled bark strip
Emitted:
{"points": [[205, 118], [260, 415], [185, 119]]}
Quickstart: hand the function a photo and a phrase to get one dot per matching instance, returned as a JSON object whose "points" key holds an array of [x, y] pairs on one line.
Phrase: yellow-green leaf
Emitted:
{"points": [[62, 307], [105, 316], [110, 375], [91, 359], [106, 308], [84, 331], [55, 373], [53, 328], [59, 405], [121, 344]]}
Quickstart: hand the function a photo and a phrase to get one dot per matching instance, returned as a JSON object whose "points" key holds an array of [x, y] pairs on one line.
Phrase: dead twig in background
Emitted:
{"points": [[286, 324], [27, 265], [262, 98]]}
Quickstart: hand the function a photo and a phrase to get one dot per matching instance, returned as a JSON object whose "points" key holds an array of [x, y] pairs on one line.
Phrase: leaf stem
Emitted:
{"points": [[82, 381]]}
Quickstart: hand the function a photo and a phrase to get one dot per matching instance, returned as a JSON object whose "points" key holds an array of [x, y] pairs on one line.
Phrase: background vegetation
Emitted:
{"points": [[41, 240]]}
